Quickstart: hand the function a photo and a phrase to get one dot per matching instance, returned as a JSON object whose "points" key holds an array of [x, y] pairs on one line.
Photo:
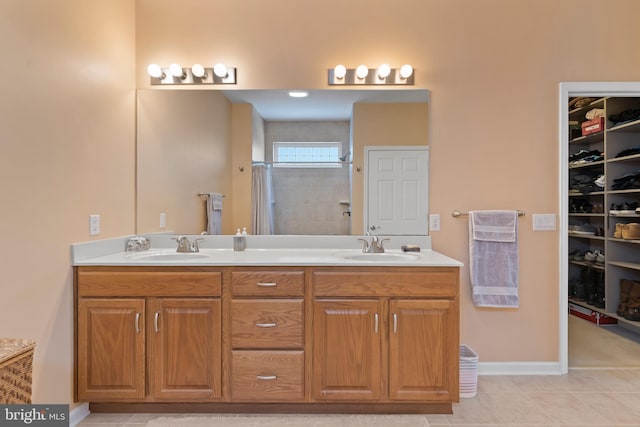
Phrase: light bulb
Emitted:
{"points": [[198, 70], [155, 71], [220, 70], [176, 70], [362, 71], [339, 72], [405, 71], [383, 71]]}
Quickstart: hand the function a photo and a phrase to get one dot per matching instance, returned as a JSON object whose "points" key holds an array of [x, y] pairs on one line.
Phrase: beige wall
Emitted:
{"points": [[493, 68], [381, 124], [247, 127], [67, 126], [184, 148]]}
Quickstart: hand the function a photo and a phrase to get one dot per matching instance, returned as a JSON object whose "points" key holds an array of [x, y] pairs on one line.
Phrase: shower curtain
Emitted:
{"points": [[262, 199]]}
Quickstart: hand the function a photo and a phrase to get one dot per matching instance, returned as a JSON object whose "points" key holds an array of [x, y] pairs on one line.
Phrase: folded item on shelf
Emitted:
{"points": [[628, 152], [627, 115], [594, 113]]}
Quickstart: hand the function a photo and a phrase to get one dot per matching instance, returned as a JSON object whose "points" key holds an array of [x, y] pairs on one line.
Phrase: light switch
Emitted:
{"points": [[434, 222], [544, 222], [163, 220], [94, 225]]}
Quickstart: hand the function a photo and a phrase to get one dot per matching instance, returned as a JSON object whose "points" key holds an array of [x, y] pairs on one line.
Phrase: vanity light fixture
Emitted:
{"points": [[362, 71], [155, 71], [340, 71], [198, 74], [198, 71], [177, 71], [362, 75]]}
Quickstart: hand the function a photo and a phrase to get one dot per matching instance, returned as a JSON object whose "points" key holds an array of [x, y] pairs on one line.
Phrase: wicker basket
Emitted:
{"points": [[16, 364]]}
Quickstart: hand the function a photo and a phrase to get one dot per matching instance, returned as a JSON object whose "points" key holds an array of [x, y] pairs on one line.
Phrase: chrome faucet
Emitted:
{"points": [[185, 246], [375, 247]]}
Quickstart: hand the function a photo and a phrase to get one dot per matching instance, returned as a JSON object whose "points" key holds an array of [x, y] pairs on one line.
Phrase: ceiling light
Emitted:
{"points": [[155, 71], [406, 71], [340, 71], [198, 71], [362, 71], [177, 71], [383, 71], [298, 93], [220, 70]]}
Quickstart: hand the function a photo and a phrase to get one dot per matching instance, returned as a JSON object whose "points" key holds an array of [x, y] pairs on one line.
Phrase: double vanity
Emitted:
{"points": [[291, 324]]}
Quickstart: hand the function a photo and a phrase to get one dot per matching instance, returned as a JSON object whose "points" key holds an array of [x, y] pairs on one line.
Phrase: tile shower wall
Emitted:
{"points": [[307, 200]]}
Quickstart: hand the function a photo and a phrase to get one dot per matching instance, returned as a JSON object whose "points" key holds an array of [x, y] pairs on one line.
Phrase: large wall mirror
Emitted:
{"points": [[194, 142]]}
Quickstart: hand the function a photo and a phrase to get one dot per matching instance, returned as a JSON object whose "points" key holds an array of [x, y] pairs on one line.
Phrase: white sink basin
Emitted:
{"points": [[176, 256], [383, 257]]}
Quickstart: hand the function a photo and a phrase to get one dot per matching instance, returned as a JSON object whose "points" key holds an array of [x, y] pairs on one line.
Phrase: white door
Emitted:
{"points": [[396, 190]]}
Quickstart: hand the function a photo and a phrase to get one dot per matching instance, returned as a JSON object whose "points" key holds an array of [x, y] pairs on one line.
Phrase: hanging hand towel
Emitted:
{"points": [[214, 213], [493, 256]]}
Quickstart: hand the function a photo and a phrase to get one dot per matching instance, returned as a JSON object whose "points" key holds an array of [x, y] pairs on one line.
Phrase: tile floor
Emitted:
{"points": [[602, 394]]}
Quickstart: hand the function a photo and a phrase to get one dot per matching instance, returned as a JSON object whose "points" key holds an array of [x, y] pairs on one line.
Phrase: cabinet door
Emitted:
{"points": [[111, 349], [184, 353], [347, 349], [423, 350]]}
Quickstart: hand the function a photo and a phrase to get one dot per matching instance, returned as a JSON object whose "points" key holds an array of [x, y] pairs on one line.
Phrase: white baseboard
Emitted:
{"points": [[78, 414], [519, 368]]}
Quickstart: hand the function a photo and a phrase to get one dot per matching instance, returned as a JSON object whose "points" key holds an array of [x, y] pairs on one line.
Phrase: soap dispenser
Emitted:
{"points": [[239, 242]]}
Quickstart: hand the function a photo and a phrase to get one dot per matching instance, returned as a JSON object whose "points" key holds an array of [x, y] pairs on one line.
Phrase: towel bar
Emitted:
{"points": [[456, 214]]}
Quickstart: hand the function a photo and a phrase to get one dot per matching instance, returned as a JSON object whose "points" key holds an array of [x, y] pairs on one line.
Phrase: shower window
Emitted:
{"points": [[307, 154]]}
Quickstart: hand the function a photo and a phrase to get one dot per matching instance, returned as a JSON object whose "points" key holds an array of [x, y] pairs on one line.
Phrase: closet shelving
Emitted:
{"points": [[622, 257]]}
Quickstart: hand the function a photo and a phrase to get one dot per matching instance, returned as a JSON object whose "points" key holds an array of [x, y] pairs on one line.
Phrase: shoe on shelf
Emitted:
{"points": [[618, 233], [585, 229], [628, 208], [632, 311], [599, 257], [630, 231], [589, 256], [615, 209], [625, 290]]}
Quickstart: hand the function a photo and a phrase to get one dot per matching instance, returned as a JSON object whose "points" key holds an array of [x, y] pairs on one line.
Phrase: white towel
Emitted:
{"points": [[493, 256], [214, 213]]}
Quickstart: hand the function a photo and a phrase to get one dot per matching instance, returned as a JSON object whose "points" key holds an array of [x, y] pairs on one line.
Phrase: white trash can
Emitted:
{"points": [[468, 372]]}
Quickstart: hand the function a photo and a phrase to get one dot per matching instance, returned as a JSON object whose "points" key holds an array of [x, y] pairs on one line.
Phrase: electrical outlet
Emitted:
{"points": [[94, 225], [434, 222], [163, 220]]}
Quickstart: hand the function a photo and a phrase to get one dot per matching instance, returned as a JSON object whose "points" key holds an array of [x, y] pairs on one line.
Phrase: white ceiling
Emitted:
{"points": [[320, 104]]}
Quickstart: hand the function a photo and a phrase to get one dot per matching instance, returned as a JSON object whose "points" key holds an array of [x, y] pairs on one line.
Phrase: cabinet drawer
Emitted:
{"points": [[268, 283], [148, 282], [267, 375], [273, 323], [435, 282]]}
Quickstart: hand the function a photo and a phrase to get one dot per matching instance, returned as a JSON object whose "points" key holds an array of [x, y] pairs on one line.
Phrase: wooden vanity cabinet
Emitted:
{"points": [[386, 336], [144, 336], [268, 339], [267, 335]]}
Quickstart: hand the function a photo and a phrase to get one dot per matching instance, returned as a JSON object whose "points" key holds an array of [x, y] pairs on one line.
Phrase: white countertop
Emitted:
{"points": [[262, 251]]}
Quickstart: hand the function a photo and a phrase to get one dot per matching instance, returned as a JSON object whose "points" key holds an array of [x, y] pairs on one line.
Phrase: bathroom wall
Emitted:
{"points": [[306, 200], [184, 147], [492, 68], [67, 150]]}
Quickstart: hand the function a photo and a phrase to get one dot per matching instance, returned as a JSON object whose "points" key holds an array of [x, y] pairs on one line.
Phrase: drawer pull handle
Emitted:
{"points": [[137, 323], [266, 377], [266, 325], [395, 323], [267, 284], [375, 321], [155, 321]]}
